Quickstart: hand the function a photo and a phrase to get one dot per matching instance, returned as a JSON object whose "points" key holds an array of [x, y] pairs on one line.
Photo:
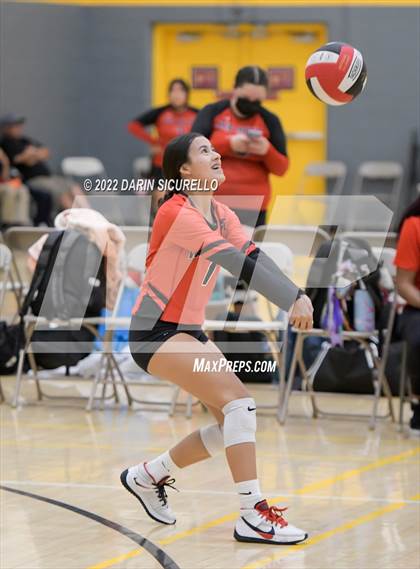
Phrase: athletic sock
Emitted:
{"points": [[158, 468], [249, 494]]}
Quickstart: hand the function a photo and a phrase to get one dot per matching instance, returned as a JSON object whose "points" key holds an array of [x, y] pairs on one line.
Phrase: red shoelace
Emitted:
{"points": [[275, 516]]}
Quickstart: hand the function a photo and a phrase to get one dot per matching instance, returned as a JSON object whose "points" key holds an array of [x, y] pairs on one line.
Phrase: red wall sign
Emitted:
{"points": [[281, 78], [205, 78]]}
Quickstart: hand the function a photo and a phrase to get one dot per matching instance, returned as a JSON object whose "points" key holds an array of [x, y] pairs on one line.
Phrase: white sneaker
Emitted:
{"points": [[267, 525], [151, 494]]}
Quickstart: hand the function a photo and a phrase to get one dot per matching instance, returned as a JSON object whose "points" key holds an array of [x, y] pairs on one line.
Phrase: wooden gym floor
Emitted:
{"points": [[355, 491]]}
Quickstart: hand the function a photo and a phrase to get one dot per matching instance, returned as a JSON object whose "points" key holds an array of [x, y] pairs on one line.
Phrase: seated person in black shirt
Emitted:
{"points": [[14, 197], [29, 157]]}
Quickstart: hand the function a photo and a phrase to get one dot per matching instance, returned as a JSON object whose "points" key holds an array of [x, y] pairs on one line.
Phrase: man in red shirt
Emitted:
{"points": [[252, 144], [407, 261], [170, 121]]}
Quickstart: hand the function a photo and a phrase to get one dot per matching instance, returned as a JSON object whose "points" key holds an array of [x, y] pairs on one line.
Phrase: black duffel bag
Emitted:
{"points": [[10, 340], [345, 369]]}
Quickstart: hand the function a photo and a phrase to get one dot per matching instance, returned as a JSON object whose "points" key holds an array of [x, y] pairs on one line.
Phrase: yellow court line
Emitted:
{"points": [[199, 3], [330, 533], [321, 484]]}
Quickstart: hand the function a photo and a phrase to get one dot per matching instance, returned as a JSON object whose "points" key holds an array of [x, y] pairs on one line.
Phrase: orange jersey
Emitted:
{"points": [[408, 248], [180, 278]]}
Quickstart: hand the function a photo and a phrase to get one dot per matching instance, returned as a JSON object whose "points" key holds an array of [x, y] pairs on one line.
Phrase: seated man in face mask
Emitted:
{"points": [[251, 142]]}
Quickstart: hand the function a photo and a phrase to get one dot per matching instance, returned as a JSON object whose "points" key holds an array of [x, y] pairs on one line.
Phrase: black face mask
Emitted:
{"points": [[246, 107]]}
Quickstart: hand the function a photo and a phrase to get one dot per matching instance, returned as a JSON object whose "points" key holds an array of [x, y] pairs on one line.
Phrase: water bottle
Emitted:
{"points": [[364, 311]]}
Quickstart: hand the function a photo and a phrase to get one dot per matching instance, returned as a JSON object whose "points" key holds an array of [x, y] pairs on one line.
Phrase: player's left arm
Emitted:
{"points": [[258, 269], [275, 159]]}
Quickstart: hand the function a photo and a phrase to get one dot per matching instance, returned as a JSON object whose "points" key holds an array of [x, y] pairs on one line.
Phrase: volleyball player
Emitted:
{"points": [[192, 236], [169, 120], [407, 261]]}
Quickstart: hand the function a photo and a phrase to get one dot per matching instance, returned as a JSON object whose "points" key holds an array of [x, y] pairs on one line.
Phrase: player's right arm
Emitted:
{"points": [[137, 127]]}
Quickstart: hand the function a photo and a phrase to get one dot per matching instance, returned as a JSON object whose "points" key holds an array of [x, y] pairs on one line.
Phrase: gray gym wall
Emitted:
{"points": [[80, 73]]}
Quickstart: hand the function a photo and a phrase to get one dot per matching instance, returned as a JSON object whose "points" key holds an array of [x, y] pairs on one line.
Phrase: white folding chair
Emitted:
{"points": [[135, 235], [83, 167], [141, 166], [31, 321], [380, 383], [386, 257], [5, 266], [386, 172], [331, 171], [271, 324], [300, 239], [374, 238], [19, 240]]}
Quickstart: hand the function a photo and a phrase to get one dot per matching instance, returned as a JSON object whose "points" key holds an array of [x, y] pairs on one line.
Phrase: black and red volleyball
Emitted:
{"points": [[336, 73]]}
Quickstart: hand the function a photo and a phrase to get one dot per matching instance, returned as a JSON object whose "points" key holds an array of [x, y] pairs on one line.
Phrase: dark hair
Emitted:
{"points": [[175, 155], [413, 210], [251, 74], [181, 82]]}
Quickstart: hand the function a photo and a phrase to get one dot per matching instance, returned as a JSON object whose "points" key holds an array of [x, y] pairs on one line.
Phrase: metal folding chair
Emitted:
{"points": [[30, 322], [135, 235], [387, 256], [141, 166], [331, 171], [300, 239], [80, 167], [380, 383], [272, 322], [374, 238], [19, 239], [136, 260], [5, 266], [385, 172]]}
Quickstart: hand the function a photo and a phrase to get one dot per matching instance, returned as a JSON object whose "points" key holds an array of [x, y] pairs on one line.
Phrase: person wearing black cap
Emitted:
{"points": [[29, 157], [41, 198], [251, 142], [14, 197]]}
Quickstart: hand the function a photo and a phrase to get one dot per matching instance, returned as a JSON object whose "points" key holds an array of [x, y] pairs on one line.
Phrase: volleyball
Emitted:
{"points": [[336, 73]]}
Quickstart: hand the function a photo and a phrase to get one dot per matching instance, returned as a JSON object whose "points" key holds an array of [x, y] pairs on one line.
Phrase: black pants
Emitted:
{"points": [[410, 332], [44, 204]]}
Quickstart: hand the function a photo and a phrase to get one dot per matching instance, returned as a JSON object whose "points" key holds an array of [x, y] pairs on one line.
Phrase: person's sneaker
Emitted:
{"points": [[415, 420], [150, 493], [266, 524]]}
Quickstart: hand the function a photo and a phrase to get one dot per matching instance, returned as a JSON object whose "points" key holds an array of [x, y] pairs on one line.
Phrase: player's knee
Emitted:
{"points": [[233, 394], [212, 438], [240, 421]]}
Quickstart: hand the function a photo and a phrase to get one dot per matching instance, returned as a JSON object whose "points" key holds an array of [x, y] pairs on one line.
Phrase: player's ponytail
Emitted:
{"points": [[175, 155]]}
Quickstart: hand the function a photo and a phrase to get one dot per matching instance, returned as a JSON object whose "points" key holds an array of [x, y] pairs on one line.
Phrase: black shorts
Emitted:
{"points": [[145, 338]]}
